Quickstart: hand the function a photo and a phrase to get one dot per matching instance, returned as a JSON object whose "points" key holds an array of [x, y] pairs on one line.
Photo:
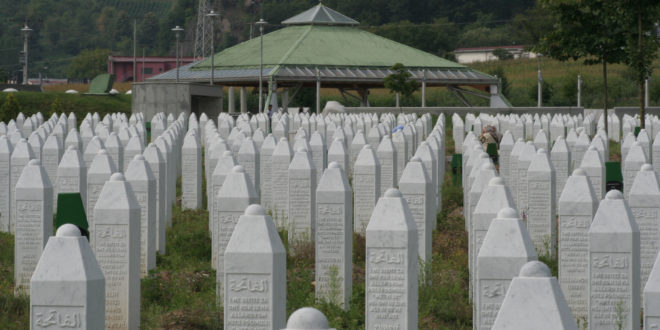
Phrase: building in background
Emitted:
{"points": [[485, 54], [122, 66]]}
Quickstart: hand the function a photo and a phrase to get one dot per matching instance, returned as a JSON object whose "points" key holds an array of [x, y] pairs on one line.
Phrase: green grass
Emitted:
{"points": [[33, 102]]}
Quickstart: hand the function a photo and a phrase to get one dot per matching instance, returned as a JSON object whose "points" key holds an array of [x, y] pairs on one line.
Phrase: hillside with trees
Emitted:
{"points": [[68, 34]]}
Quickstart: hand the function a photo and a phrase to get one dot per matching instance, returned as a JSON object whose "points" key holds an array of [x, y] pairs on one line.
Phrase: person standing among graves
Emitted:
{"points": [[489, 135]]}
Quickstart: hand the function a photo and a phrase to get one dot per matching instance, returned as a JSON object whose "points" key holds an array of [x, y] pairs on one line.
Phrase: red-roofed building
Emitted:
{"points": [[122, 66], [485, 54]]}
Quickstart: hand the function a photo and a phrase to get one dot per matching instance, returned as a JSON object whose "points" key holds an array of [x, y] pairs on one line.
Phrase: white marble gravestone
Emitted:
{"points": [[541, 204], [73, 139], [224, 166], [302, 193], [266, 175], [505, 249], [484, 173], [366, 187], [248, 157], [644, 201], [98, 173], [561, 160], [191, 172], [631, 166], [20, 157], [513, 168], [391, 265], [67, 290], [116, 243], [236, 194], [614, 265], [157, 165], [527, 153], [534, 301], [255, 274], [577, 206], [170, 173], [51, 153], [116, 150], [651, 300], [580, 148], [5, 182], [358, 142], [143, 183], [280, 180], [307, 318], [594, 167], [334, 236], [399, 141], [93, 147], [494, 197], [387, 157], [337, 153], [417, 189], [72, 174], [506, 146], [34, 221]]}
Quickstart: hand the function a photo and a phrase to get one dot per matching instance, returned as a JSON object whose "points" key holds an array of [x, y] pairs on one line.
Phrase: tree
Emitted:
{"points": [[89, 63], [400, 81], [502, 54], [585, 29], [10, 108], [638, 18]]}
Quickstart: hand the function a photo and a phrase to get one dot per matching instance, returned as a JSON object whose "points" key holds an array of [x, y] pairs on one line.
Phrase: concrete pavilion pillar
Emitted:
{"points": [[231, 104], [243, 99]]}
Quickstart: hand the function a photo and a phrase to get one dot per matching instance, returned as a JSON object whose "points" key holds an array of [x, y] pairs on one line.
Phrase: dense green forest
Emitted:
{"points": [[69, 34]]}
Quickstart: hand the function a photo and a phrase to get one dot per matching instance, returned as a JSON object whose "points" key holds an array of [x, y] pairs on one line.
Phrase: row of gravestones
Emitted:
{"points": [[112, 216], [577, 206], [110, 252]]}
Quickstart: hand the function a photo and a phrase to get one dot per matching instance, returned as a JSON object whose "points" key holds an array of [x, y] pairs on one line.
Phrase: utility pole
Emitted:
{"points": [[135, 50]]}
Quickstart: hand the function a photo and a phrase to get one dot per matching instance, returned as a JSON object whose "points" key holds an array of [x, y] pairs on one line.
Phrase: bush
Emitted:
{"points": [[10, 108]]}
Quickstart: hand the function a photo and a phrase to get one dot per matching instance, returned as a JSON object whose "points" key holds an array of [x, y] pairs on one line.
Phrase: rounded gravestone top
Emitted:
{"points": [[535, 269], [307, 318], [423, 143], [248, 138], [359, 132], [68, 230], [507, 213], [386, 137], [483, 155], [530, 143], [416, 159], [72, 147], [520, 140], [255, 209], [23, 140], [302, 149], [591, 147], [112, 133], [559, 138], [34, 162], [636, 143], [614, 194], [238, 169], [283, 139], [540, 151], [393, 192], [227, 153], [646, 168], [334, 165], [579, 172], [367, 146], [496, 181], [139, 157], [487, 166], [102, 152], [117, 177]]}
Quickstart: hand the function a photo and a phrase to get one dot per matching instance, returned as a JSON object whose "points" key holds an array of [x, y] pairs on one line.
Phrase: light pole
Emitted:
{"points": [[177, 31], [261, 24], [26, 32], [212, 15]]}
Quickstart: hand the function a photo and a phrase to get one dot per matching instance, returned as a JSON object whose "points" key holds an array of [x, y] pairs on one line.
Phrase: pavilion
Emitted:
{"points": [[324, 48]]}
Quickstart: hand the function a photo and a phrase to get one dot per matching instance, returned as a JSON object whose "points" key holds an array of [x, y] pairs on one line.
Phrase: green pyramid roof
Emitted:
{"points": [[322, 45], [320, 15]]}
